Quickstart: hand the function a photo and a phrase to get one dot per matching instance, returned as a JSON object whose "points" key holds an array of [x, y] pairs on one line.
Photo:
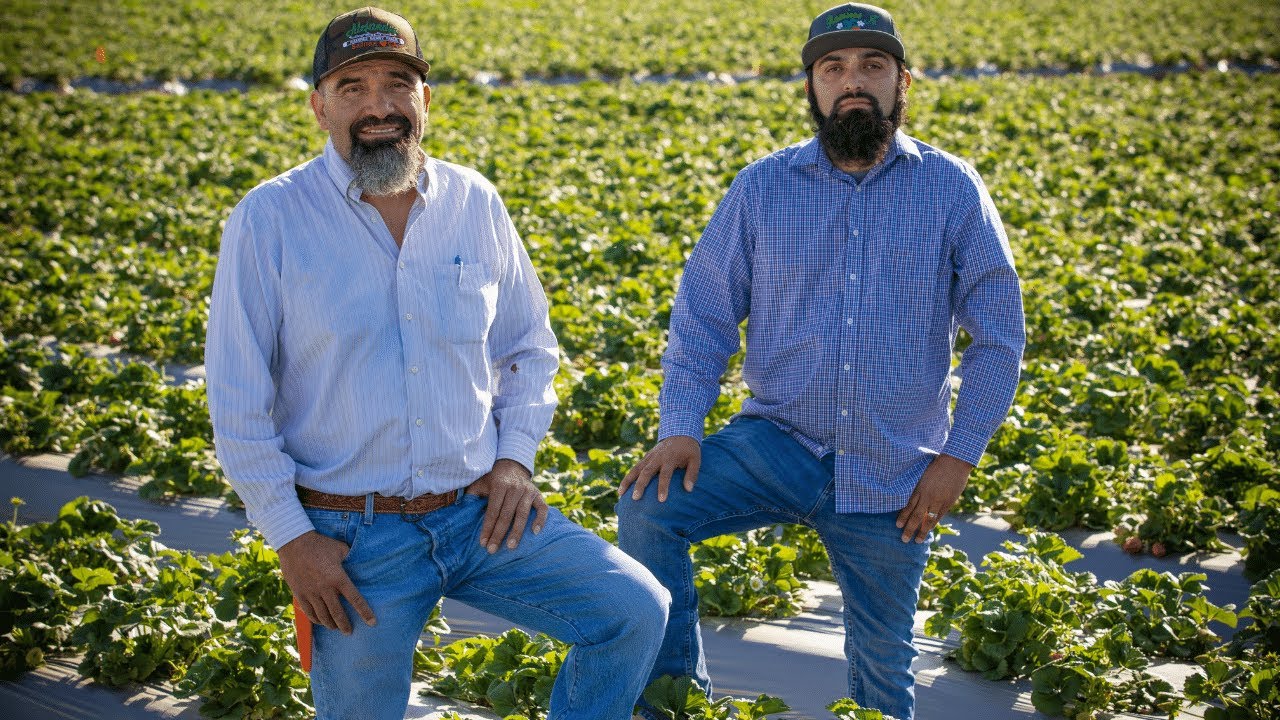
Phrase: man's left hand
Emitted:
{"points": [[512, 495], [938, 490]]}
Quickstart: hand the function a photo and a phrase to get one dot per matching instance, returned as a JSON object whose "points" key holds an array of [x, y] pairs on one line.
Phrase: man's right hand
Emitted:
{"points": [[312, 566], [669, 455]]}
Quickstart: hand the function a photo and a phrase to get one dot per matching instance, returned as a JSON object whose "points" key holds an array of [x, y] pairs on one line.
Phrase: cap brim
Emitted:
{"points": [[840, 39], [421, 66]]}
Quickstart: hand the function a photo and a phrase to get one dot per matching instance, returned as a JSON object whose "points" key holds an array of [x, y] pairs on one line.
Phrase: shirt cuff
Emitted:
{"points": [[283, 522], [670, 426], [518, 446], [965, 446]]}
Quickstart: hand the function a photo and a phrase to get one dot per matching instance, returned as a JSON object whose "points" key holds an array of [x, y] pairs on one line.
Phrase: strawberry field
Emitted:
{"points": [[1141, 211]]}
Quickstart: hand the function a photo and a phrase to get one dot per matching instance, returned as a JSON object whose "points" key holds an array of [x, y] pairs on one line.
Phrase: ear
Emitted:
{"points": [[426, 97], [907, 74], [317, 107]]}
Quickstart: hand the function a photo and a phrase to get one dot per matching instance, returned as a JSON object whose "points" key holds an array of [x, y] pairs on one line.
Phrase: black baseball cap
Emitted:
{"points": [[369, 33], [852, 25]]}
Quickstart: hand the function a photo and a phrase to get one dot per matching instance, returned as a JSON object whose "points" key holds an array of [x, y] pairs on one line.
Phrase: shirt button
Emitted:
{"points": [[401, 264], [414, 369], [840, 451], [848, 321], [420, 473], [844, 413], [418, 422], [846, 366], [855, 232], [408, 316], [853, 276]]}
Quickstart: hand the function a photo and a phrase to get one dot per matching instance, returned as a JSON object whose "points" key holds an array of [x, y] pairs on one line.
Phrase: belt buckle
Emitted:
{"points": [[403, 502]]}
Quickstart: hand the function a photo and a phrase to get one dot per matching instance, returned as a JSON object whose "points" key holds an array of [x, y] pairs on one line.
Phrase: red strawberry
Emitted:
{"points": [[1133, 545], [1158, 549]]}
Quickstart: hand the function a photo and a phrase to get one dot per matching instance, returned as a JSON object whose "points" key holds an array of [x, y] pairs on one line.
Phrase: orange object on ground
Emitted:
{"points": [[302, 625]]}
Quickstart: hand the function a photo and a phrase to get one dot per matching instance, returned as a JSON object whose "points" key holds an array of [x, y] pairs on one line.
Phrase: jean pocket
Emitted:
{"points": [[468, 301], [336, 524]]}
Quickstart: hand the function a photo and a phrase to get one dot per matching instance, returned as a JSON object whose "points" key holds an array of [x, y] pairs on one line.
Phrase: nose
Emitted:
{"points": [[380, 102]]}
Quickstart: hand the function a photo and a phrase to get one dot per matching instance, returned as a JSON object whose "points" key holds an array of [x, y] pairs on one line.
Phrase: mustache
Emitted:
{"points": [[396, 119], [875, 104]]}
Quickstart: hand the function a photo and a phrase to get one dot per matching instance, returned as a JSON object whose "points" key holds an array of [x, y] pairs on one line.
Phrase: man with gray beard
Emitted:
{"points": [[380, 365], [855, 257]]}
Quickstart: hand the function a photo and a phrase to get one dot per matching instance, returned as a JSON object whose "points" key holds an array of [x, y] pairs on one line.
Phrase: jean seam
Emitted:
{"points": [[740, 513], [849, 640], [580, 639], [822, 500]]}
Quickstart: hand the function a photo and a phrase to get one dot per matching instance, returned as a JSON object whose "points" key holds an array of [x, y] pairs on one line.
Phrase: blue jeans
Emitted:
{"points": [[752, 475], [564, 581]]}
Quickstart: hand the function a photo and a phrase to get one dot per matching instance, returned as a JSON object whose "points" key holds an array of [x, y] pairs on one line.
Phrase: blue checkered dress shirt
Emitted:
{"points": [[853, 293]]}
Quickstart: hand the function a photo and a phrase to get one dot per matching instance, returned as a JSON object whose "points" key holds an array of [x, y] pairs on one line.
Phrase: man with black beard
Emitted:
{"points": [[854, 257], [380, 367]]}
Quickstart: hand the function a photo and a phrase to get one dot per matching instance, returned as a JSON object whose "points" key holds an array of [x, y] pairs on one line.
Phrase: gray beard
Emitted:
{"points": [[386, 168]]}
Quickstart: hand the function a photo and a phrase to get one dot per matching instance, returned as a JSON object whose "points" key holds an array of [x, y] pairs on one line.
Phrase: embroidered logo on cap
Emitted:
{"points": [[848, 20], [371, 34]]}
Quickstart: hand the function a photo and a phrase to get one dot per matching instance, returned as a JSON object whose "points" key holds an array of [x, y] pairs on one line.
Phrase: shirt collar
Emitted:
{"points": [[344, 177], [811, 154]]}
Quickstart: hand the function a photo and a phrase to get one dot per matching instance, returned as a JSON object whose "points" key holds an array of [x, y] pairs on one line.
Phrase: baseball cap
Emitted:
{"points": [[366, 34], [852, 25]]}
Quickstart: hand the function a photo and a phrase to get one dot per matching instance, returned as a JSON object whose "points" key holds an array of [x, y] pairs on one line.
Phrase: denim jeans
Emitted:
{"points": [[564, 581], [752, 475]]}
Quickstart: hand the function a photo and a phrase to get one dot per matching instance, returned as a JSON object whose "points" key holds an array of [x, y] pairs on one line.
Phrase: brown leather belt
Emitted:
{"points": [[420, 505]]}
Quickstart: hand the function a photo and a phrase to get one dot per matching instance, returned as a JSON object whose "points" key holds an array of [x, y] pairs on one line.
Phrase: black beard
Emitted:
{"points": [[385, 166], [860, 136]]}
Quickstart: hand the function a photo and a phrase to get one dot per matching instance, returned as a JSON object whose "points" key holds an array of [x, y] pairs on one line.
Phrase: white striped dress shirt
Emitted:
{"points": [[340, 362]]}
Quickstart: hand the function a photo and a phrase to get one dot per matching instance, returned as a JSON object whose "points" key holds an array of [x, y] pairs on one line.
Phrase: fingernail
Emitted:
{"points": [[662, 497], [635, 495], [493, 548], [511, 544], [537, 529]]}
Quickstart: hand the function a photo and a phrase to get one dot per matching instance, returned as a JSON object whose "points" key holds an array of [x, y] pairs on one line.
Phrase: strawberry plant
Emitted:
{"points": [[1102, 673], [1260, 527], [1165, 615], [683, 699], [1071, 484], [1018, 611], [250, 671], [748, 574], [1239, 680], [946, 568], [510, 673], [1170, 509], [847, 709]]}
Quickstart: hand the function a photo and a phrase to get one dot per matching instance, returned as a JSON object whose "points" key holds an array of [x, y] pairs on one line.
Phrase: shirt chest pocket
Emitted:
{"points": [[467, 298]]}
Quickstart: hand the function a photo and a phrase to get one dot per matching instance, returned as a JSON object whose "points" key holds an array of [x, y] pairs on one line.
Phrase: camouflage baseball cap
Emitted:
{"points": [[366, 34], [852, 25]]}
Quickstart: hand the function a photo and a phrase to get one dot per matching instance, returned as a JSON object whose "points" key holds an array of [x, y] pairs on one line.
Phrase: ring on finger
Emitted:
{"points": [[931, 515]]}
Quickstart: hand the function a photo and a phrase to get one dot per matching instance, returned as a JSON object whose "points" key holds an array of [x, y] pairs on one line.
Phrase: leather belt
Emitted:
{"points": [[420, 505]]}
